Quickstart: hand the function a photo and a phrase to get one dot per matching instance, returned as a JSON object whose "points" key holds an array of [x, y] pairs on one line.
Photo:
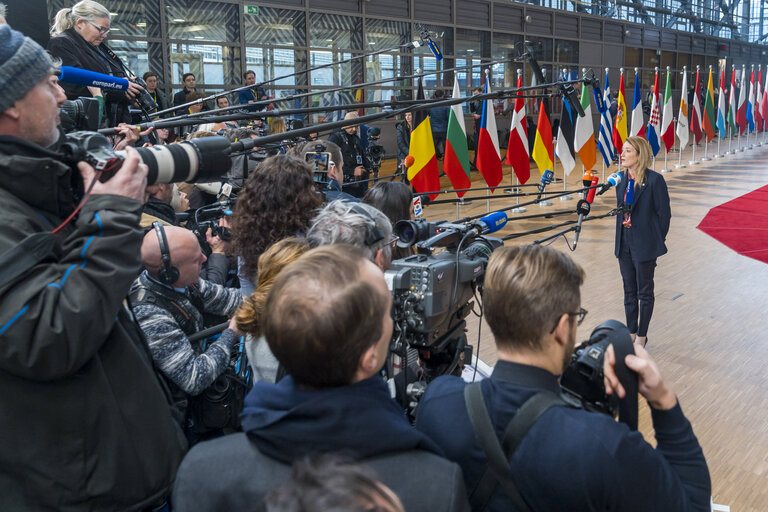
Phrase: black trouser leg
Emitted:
{"points": [[645, 296], [629, 277]]}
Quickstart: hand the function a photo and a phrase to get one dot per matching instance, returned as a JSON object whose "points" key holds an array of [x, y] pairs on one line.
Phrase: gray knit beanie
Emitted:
{"points": [[23, 63]]}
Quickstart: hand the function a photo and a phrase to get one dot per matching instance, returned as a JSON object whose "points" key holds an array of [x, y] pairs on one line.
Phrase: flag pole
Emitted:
{"points": [[680, 164], [693, 160], [666, 168], [566, 197], [740, 149], [706, 158], [516, 180], [547, 202], [749, 146]]}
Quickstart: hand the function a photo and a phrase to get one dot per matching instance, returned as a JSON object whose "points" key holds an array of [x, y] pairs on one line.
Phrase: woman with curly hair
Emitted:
{"points": [[279, 200], [248, 315]]}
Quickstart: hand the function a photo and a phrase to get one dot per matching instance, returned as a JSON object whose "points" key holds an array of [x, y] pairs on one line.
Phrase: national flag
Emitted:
{"points": [[456, 163], [488, 158], [543, 152], [721, 106], [604, 142], [731, 119], [620, 123], [751, 101], [708, 121], [654, 123], [424, 174], [696, 110], [683, 133], [637, 111], [565, 134], [517, 149], [667, 126], [765, 100], [584, 139], [759, 99], [741, 109]]}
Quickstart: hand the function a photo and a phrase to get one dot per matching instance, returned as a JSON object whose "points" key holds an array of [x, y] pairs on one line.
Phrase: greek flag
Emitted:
{"points": [[604, 141]]}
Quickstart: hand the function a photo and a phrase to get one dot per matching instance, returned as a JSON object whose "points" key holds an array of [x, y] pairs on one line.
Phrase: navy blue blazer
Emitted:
{"points": [[650, 218]]}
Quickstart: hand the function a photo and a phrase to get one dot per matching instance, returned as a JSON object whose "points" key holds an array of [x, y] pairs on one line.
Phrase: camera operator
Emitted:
{"points": [[570, 459], [78, 35], [169, 299], [332, 189], [327, 320], [86, 423], [356, 165]]}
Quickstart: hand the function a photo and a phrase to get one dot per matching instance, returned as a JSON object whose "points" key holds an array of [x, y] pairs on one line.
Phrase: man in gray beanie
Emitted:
{"points": [[85, 423]]}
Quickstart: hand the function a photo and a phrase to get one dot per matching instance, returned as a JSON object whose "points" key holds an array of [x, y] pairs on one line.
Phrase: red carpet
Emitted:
{"points": [[741, 224]]}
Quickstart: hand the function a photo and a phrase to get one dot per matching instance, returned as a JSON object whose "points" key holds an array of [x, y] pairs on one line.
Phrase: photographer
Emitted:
{"points": [[570, 459], [356, 165], [78, 35], [86, 422]]}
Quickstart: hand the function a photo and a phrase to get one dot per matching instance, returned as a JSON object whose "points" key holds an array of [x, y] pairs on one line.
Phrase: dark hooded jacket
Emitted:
{"points": [[85, 423]]}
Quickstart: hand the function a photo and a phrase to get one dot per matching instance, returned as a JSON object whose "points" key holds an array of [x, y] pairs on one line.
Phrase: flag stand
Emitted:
{"points": [[718, 155], [567, 197], [488, 201], [517, 208], [730, 138], [693, 160], [680, 164], [603, 170], [654, 164], [666, 169], [705, 158], [738, 141]]}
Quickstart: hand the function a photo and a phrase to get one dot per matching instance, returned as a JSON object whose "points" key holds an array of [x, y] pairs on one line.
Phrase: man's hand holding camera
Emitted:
{"points": [[129, 181], [650, 382]]}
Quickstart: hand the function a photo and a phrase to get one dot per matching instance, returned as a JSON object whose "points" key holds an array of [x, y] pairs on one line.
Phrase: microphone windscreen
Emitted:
{"points": [[409, 161], [92, 79], [592, 191], [494, 221]]}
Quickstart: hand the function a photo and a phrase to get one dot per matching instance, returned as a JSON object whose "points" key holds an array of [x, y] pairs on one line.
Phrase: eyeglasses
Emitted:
{"points": [[101, 29], [580, 315], [393, 241]]}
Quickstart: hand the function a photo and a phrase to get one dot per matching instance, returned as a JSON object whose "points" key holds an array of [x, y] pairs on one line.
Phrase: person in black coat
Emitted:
{"points": [[640, 232], [356, 165], [159, 96], [404, 130], [78, 40]]}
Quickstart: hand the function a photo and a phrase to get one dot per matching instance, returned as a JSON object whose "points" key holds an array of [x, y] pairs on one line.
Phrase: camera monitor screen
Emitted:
{"points": [[319, 161]]}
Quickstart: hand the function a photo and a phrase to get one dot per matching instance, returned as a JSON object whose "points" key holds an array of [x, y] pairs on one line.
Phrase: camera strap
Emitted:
{"points": [[499, 453], [28, 253]]}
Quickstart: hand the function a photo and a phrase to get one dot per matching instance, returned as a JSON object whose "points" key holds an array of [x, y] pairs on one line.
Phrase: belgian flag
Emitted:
{"points": [[424, 174]]}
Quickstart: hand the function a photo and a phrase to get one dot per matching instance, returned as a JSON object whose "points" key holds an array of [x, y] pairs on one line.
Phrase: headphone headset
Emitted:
{"points": [[168, 274], [373, 234]]}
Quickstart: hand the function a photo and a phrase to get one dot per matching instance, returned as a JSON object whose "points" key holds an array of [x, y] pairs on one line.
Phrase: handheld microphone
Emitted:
{"points": [[426, 38], [91, 79], [582, 208], [592, 191], [613, 180], [409, 161], [630, 197], [586, 180], [570, 94], [546, 179], [491, 223]]}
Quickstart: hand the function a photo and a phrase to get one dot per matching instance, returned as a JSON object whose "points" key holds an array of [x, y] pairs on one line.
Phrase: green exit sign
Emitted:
{"points": [[251, 9]]}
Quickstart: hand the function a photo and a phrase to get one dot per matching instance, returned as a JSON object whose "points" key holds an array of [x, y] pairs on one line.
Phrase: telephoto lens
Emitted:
{"points": [[193, 161]]}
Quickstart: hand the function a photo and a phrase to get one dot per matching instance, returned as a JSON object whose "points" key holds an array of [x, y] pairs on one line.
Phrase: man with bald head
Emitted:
{"points": [[168, 300], [356, 164]]}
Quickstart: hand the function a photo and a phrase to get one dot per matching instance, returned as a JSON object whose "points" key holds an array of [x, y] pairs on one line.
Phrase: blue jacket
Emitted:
{"points": [[570, 459], [651, 214], [438, 119]]}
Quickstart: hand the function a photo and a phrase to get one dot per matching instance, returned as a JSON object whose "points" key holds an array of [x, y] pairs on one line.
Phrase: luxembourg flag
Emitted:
{"points": [[638, 128], [488, 155]]}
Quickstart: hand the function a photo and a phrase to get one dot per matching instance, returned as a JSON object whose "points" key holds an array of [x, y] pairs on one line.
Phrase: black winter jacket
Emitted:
{"points": [[73, 50], [85, 422]]}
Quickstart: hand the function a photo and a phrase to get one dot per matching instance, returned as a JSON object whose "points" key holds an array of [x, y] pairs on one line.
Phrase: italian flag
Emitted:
{"points": [[456, 163]]}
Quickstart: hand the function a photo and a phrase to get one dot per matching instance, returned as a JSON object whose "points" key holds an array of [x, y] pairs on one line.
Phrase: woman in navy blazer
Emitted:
{"points": [[640, 232]]}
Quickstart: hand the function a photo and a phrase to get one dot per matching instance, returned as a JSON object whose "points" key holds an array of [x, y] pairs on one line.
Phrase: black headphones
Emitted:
{"points": [[168, 274], [373, 234]]}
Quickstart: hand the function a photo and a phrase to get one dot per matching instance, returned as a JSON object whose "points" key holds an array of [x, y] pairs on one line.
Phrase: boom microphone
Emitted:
{"points": [[613, 180], [426, 38], [546, 179], [91, 79], [491, 223]]}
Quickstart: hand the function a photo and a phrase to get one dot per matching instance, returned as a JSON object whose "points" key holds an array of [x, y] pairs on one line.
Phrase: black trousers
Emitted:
{"points": [[439, 140], [638, 290]]}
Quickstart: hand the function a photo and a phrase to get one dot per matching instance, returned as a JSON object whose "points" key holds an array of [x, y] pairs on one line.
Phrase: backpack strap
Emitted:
{"points": [[145, 295], [499, 454]]}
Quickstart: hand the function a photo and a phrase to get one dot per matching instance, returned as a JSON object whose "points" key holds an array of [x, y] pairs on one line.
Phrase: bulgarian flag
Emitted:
{"points": [[708, 122], [517, 148], [488, 159], [424, 174], [456, 163]]}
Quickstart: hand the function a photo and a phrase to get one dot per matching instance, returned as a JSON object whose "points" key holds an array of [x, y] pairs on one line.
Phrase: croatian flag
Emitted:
{"points": [[654, 125]]}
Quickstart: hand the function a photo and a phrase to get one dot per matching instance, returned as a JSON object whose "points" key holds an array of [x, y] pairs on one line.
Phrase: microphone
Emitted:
{"points": [[613, 180], [630, 193], [426, 38], [570, 94], [491, 223], [409, 161], [592, 191], [546, 179], [582, 208], [91, 79]]}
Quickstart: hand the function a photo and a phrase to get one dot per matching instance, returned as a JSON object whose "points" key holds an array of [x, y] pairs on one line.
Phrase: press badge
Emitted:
{"points": [[359, 160]]}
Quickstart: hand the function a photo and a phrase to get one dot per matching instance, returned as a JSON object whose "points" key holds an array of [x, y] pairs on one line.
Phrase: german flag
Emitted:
{"points": [[424, 174]]}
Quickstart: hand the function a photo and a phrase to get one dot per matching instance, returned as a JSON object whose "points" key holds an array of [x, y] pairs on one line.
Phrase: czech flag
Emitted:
{"points": [[488, 159]]}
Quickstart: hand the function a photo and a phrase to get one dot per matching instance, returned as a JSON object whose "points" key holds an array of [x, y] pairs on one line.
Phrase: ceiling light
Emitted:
{"points": [[199, 37], [113, 14], [178, 20], [470, 50], [142, 24]]}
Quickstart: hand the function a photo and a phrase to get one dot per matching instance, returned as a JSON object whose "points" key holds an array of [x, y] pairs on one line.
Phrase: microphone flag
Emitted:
{"points": [[456, 163], [424, 174]]}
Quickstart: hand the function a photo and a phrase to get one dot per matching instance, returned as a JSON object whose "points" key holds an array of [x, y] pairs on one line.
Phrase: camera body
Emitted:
{"points": [[144, 99], [375, 151], [80, 114]]}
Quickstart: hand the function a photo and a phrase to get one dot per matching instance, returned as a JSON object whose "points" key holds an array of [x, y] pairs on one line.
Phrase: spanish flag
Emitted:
{"points": [[423, 174], [620, 124]]}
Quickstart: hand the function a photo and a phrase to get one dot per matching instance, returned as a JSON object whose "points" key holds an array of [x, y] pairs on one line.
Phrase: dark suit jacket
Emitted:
{"points": [[650, 218], [230, 473]]}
